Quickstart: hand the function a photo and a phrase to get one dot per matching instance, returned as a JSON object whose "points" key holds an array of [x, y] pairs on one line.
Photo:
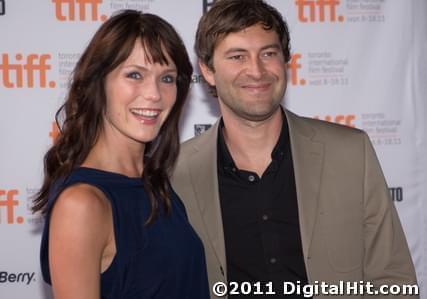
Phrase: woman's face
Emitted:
{"points": [[139, 97]]}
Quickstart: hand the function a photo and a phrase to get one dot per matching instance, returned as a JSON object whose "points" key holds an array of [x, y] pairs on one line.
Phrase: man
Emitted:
{"points": [[278, 198]]}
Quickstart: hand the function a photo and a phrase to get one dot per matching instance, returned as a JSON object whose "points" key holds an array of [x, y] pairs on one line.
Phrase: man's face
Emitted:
{"points": [[249, 72]]}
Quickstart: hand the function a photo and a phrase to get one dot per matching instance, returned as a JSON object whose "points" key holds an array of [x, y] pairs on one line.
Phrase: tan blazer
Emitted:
{"points": [[350, 230]]}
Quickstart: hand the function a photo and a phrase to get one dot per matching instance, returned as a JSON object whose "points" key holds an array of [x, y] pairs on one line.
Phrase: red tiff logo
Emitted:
{"points": [[340, 119], [67, 10], [316, 10], [9, 203], [25, 71], [293, 67]]}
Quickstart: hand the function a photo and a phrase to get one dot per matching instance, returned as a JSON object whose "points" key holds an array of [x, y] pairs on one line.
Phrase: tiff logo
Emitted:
{"points": [[207, 5], [9, 203], [341, 119], [315, 10], [65, 10], [293, 67], [31, 67], [2, 7]]}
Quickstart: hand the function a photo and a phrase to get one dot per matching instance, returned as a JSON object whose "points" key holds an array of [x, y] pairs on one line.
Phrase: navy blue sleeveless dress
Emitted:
{"points": [[162, 260]]}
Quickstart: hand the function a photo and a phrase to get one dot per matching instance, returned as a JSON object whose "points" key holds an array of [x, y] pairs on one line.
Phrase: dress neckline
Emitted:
{"points": [[109, 174]]}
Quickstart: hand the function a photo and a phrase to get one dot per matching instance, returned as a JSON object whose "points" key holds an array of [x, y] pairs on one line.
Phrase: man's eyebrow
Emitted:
{"points": [[238, 50], [271, 46], [234, 50]]}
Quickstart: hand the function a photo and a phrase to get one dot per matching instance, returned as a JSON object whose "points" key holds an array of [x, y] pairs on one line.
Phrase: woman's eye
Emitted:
{"points": [[134, 75], [168, 79]]}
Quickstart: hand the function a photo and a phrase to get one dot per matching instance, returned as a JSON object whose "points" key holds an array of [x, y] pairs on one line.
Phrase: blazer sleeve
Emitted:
{"points": [[387, 260]]}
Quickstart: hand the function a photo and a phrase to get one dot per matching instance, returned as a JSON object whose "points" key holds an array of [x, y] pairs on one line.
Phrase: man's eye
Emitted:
{"points": [[269, 54], [168, 79], [236, 57], [134, 75]]}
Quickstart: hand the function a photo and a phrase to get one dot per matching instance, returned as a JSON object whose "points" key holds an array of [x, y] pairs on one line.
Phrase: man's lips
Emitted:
{"points": [[256, 87]]}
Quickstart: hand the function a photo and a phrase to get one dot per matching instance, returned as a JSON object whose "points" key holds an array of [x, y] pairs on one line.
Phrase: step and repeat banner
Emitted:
{"points": [[360, 63]]}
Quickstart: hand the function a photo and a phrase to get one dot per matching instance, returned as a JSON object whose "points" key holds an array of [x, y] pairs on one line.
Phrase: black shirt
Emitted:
{"points": [[260, 219]]}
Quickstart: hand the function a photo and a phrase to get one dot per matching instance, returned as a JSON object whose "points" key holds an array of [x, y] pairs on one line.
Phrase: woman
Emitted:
{"points": [[114, 227]]}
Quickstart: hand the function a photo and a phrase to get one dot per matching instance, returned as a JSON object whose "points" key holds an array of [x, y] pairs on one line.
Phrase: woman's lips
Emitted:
{"points": [[146, 116]]}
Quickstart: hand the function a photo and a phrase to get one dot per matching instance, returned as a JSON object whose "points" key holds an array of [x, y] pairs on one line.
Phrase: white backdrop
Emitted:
{"points": [[361, 63]]}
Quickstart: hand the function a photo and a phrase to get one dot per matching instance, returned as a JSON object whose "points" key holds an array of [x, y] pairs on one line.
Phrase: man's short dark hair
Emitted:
{"points": [[227, 16]]}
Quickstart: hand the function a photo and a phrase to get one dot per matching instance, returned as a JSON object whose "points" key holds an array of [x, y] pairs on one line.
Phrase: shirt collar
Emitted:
{"points": [[279, 150]]}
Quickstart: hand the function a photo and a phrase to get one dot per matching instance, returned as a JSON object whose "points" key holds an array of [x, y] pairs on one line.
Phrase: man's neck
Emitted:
{"points": [[251, 143]]}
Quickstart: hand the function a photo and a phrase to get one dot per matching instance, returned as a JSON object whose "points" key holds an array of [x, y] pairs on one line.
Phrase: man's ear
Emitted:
{"points": [[207, 73]]}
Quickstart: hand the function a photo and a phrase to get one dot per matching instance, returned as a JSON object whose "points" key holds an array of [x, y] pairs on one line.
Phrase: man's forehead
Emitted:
{"points": [[255, 36]]}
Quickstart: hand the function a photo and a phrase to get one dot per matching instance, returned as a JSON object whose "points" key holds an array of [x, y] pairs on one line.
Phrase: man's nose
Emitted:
{"points": [[255, 68]]}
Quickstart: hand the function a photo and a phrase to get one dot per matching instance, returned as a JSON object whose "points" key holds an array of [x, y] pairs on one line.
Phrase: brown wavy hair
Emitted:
{"points": [[228, 16], [84, 108]]}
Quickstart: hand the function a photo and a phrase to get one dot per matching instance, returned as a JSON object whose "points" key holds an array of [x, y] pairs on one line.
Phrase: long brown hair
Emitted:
{"points": [[84, 107]]}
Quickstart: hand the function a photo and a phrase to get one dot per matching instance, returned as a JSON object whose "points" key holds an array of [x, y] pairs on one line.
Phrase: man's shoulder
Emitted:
{"points": [[190, 144], [196, 151], [207, 138], [325, 130]]}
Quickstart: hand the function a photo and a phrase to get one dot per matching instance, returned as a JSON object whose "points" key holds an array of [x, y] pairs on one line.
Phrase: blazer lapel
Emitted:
{"points": [[203, 172], [307, 156]]}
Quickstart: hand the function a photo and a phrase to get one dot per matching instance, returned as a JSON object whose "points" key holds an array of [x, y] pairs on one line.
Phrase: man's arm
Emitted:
{"points": [[387, 260]]}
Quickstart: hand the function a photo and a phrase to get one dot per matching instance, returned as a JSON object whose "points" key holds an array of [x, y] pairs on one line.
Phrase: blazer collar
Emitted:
{"points": [[203, 172], [307, 155]]}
